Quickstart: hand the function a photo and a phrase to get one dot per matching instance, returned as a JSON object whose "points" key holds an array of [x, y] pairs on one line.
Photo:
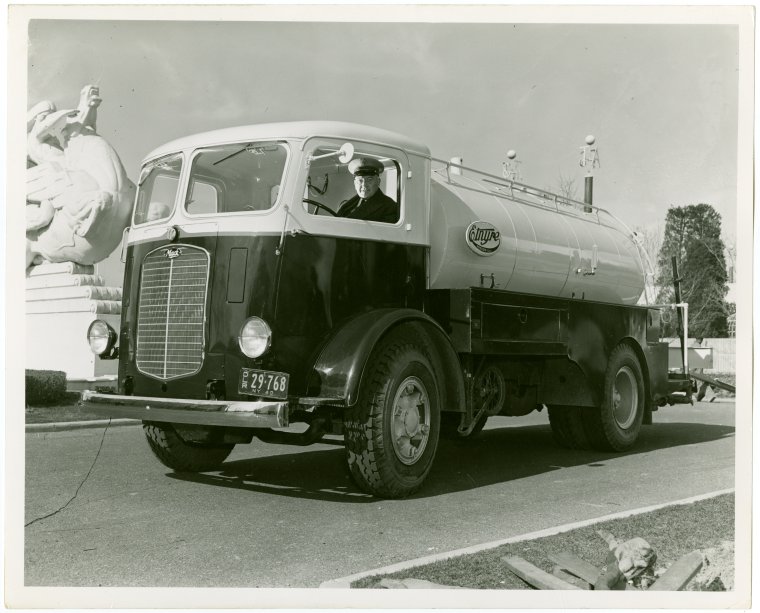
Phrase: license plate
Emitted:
{"points": [[263, 383]]}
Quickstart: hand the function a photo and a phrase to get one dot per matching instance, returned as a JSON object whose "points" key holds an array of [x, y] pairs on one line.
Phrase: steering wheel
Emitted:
{"points": [[319, 205]]}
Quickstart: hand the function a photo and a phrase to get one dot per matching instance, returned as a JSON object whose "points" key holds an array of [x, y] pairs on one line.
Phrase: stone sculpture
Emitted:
{"points": [[78, 196]]}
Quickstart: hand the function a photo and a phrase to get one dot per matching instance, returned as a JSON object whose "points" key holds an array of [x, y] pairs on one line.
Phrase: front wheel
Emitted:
{"points": [[616, 424], [392, 432], [180, 455]]}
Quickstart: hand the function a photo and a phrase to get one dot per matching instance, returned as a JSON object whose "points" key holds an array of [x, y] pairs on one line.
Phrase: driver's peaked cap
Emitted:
{"points": [[365, 167]]}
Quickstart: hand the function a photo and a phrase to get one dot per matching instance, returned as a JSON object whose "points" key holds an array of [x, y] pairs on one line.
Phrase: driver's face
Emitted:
{"points": [[366, 186]]}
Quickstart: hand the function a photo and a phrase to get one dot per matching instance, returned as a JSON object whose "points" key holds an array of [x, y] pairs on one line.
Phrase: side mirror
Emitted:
{"points": [[344, 154]]}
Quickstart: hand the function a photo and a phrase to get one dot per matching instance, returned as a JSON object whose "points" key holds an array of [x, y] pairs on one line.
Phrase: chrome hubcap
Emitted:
{"points": [[411, 421], [625, 398]]}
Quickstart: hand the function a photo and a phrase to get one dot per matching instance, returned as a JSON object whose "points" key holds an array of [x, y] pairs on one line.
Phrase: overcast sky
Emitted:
{"points": [[661, 99]]}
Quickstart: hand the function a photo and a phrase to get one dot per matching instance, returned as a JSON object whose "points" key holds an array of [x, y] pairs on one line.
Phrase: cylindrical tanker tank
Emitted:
{"points": [[528, 244]]}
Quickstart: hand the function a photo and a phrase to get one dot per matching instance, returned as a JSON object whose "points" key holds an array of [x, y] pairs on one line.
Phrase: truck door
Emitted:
{"points": [[336, 267]]}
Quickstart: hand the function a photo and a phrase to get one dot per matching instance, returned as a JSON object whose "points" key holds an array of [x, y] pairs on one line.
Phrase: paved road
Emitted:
{"points": [[279, 516]]}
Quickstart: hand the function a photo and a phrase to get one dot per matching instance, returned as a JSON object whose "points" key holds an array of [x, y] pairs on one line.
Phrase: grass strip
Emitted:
{"points": [[672, 532]]}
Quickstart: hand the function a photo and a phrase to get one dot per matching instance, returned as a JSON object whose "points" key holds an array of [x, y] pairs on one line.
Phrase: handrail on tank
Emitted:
{"points": [[523, 187]]}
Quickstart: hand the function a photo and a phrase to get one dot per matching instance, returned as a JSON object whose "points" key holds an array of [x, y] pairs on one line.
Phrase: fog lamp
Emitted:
{"points": [[102, 338], [255, 337]]}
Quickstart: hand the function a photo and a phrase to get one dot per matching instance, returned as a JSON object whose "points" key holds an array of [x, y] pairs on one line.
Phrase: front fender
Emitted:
{"points": [[337, 372]]}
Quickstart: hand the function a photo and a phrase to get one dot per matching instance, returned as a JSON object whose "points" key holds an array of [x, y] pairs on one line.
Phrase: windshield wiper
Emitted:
{"points": [[232, 155], [252, 148]]}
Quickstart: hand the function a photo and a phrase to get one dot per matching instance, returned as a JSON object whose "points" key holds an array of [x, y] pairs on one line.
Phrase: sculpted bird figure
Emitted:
{"points": [[79, 198]]}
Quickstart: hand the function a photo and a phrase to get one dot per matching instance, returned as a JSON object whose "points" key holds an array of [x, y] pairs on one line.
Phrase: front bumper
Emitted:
{"points": [[259, 414]]}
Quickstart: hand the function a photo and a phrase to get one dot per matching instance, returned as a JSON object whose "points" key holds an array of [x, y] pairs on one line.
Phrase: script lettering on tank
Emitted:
{"points": [[482, 238]]}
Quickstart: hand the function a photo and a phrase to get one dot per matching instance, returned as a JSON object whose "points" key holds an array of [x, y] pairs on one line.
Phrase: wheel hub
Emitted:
{"points": [[411, 420], [625, 397]]}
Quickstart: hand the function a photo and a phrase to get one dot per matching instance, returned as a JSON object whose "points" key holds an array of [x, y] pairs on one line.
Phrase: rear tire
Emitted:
{"points": [[615, 426], [391, 434], [568, 427], [180, 455]]}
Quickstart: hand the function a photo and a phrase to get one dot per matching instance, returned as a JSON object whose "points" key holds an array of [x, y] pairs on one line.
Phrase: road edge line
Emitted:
{"points": [[61, 426], [345, 582]]}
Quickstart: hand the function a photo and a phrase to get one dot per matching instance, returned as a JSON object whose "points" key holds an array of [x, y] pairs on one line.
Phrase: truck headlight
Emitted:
{"points": [[255, 337], [101, 337]]}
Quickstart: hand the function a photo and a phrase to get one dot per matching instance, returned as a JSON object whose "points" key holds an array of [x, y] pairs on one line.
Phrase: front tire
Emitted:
{"points": [[181, 455], [392, 433], [615, 426]]}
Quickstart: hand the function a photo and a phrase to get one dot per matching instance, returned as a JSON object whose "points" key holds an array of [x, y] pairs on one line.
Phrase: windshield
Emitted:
{"points": [[235, 178], [157, 189]]}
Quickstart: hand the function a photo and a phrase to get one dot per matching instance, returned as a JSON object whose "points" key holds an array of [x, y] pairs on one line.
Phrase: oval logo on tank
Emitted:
{"points": [[483, 238]]}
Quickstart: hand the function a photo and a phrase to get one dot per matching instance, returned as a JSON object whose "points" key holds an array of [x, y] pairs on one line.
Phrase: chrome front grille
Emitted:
{"points": [[171, 311]]}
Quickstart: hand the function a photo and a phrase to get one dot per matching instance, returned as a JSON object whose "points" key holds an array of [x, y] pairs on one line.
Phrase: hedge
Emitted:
{"points": [[45, 386]]}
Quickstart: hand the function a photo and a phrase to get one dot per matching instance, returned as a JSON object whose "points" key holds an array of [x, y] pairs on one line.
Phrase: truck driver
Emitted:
{"points": [[370, 203]]}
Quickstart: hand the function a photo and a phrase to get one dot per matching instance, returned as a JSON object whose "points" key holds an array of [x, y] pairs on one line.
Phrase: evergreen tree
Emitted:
{"points": [[692, 235]]}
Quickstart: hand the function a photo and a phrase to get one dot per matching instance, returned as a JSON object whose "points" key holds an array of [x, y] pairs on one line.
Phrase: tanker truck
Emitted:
{"points": [[254, 308]]}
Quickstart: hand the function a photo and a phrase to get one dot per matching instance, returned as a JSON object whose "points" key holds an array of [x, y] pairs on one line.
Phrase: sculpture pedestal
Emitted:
{"points": [[62, 300]]}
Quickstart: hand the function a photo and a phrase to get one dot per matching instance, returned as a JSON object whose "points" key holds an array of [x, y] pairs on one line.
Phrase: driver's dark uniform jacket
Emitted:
{"points": [[378, 207]]}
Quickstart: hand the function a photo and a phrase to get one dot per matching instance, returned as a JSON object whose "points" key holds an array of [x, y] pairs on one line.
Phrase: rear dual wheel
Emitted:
{"points": [[614, 426], [567, 427]]}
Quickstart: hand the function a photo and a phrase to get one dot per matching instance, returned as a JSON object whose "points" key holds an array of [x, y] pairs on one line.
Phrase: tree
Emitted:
{"points": [[566, 187], [650, 238], [692, 235]]}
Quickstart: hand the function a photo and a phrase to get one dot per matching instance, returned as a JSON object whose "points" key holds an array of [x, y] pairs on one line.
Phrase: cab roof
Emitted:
{"points": [[298, 130]]}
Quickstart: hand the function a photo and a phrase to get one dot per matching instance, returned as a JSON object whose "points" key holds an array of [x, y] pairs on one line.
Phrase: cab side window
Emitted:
{"points": [[366, 188], [157, 189]]}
